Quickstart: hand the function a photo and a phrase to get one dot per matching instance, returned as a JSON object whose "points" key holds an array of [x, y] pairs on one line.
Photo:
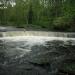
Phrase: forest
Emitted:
{"points": [[53, 15]]}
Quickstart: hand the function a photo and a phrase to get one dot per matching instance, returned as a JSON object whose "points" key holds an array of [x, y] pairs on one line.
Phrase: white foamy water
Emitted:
{"points": [[28, 41], [37, 33], [35, 38]]}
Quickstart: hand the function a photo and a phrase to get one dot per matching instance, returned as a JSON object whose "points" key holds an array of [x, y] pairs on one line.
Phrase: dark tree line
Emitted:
{"points": [[49, 14]]}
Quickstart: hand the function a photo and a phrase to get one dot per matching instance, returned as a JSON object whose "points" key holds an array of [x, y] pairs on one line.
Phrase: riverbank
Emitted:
{"points": [[31, 27]]}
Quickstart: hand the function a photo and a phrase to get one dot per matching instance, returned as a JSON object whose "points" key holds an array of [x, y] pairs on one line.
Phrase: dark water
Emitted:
{"points": [[35, 55]]}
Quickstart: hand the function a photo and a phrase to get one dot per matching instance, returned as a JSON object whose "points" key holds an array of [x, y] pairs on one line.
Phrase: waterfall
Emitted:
{"points": [[36, 33]]}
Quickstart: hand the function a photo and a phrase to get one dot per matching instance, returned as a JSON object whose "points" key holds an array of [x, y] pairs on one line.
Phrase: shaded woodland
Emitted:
{"points": [[57, 15]]}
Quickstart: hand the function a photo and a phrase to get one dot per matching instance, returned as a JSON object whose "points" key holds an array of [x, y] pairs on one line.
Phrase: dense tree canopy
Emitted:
{"points": [[46, 14]]}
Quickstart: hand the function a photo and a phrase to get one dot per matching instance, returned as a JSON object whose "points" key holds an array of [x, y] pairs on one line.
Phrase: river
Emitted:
{"points": [[35, 54]]}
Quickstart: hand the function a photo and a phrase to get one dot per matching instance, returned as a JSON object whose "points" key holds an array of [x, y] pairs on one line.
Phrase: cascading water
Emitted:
{"points": [[34, 55], [36, 33]]}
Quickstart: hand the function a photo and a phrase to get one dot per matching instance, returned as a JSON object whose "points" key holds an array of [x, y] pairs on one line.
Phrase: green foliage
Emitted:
{"points": [[49, 14]]}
